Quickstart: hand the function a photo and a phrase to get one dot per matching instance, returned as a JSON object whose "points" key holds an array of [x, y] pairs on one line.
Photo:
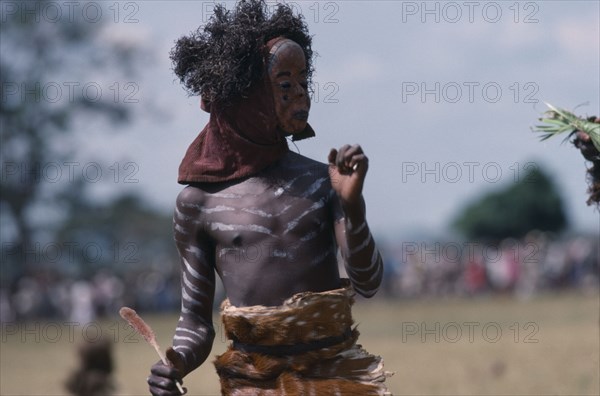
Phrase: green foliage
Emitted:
{"points": [[532, 203], [558, 121], [37, 54], [123, 235]]}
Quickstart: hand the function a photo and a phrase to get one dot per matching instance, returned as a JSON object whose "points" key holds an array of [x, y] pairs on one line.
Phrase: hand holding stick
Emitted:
{"points": [[146, 331]]}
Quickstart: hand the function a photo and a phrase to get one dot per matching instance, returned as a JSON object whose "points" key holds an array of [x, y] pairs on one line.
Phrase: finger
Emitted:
{"points": [[359, 162], [174, 358], [342, 150], [350, 152], [163, 392], [161, 382], [332, 156], [353, 150], [162, 370], [154, 391], [355, 158], [340, 160]]}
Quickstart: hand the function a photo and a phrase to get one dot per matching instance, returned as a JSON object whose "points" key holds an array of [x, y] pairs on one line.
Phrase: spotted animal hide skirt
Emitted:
{"points": [[306, 346]]}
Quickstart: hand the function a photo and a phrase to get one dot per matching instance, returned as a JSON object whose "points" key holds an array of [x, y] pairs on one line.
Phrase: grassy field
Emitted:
{"points": [[490, 346]]}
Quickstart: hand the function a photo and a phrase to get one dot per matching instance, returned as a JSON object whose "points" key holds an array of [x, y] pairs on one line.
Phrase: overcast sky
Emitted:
{"points": [[441, 96]]}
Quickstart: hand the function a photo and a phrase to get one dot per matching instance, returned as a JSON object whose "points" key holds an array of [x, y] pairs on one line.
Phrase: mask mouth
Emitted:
{"points": [[301, 115]]}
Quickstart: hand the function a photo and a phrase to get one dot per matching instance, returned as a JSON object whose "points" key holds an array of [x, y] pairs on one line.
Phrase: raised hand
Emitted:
{"points": [[347, 170]]}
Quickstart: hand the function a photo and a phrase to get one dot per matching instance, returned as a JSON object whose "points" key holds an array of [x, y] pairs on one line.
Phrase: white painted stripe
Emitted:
{"points": [[309, 236], [182, 338], [226, 251], [197, 252], [279, 253], [257, 212], [243, 227], [364, 292], [292, 224], [375, 257], [375, 274], [357, 230], [187, 348], [191, 205], [369, 281], [189, 331], [180, 229], [219, 208], [193, 287], [363, 245], [186, 297], [321, 257], [226, 195], [196, 317], [314, 187], [264, 214], [181, 216], [192, 271], [374, 261]]}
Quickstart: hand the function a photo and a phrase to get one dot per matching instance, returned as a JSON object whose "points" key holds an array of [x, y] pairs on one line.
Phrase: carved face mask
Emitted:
{"points": [[287, 74], [248, 135]]}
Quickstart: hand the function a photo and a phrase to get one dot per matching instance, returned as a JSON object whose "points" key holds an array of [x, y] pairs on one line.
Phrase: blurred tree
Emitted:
{"points": [[52, 59], [122, 235], [532, 203]]}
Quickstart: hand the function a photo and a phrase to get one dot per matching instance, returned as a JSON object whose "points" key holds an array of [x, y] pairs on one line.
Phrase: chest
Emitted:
{"points": [[266, 209]]}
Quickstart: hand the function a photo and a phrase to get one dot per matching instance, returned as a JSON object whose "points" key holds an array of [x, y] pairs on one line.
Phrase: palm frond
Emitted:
{"points": [[558, 121]]}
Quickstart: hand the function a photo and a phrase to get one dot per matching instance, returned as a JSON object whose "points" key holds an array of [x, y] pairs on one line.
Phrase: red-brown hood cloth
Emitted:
{"points": [[240, 139]]}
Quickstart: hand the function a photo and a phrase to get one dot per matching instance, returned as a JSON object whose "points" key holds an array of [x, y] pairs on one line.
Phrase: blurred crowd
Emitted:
{"points": [[536, 263], [523, 268], [49, 295]]}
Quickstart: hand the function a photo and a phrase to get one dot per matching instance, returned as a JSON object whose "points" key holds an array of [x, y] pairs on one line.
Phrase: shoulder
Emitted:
{"points": [[313, 177], [304, 164], [191, 195], [191, 200]]}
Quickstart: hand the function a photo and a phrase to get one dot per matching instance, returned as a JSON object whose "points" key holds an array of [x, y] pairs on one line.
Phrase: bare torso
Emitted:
{"points": [[270, 235]]}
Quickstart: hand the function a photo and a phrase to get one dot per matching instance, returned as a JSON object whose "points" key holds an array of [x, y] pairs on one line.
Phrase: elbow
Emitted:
{"points": [[368, 282], [366, 293], [370, 289], [193, 341]]}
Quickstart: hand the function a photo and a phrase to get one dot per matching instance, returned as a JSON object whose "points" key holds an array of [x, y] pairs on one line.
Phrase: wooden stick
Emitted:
{"points": [[146, 331]]}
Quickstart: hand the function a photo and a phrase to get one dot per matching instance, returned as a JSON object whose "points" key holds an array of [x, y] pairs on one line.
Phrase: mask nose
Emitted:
{"points": [[300, 91], [302, 96]]}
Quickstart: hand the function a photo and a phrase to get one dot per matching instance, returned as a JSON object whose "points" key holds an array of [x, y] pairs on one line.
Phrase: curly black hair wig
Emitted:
{"points": [[221, 60]]}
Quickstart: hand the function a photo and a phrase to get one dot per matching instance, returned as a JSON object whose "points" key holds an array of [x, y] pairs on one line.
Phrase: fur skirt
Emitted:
{"points": [[306, 346]]}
